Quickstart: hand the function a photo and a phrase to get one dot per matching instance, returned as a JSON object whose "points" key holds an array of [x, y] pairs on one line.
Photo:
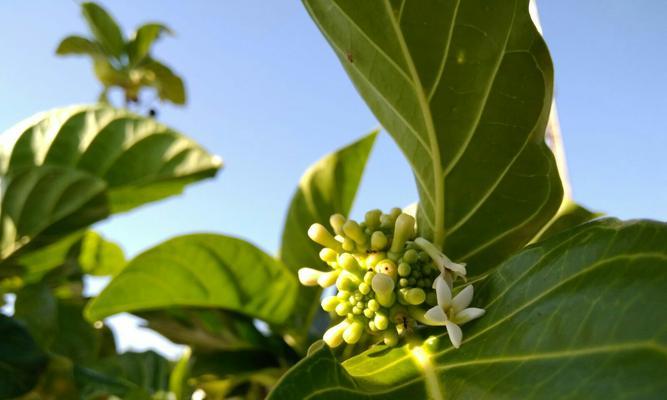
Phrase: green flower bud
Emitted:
{"points": [[371, 326], [343, 308], [329, 303], [373, 259], [416, 274], [372, 218], [368, 313], [328, 278], [404, 269], [379, 240], [373, 305], [403, 282], [354, 231], [347, 281], [357, 310], [364, 288], [404, 230], [343, 295], [395, 212], [319, 234], [337, 221], [353, 332], [333, 337], [381, 321], [410, 256], [358, 296], [352, 301], [386, 267], [309, 276], [431, 298], [390, 338], [383, 286], [431, 344], [328, 255], [348, 262], [415, 296], [423, 283], [348, 244], [386, 221], [423, 256], [412, 281], [368, 277]]}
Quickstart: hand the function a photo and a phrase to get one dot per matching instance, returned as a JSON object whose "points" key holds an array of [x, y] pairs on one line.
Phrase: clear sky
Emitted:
{"points": [[267, 94]]}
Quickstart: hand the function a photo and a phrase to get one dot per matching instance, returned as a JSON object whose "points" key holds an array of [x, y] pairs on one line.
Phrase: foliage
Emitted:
{"points": [[124, 63], [573, 304]]}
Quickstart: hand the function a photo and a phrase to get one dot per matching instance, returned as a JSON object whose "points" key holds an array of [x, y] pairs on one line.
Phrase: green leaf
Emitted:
{"points": [[21, 361], [569, 215], [37, 309], [99, 256], [327, 187], [74, 166], [580, 315], [464, 88], [104, 28], [78, 45], [139, 46], [169, 86], [201, 270]]}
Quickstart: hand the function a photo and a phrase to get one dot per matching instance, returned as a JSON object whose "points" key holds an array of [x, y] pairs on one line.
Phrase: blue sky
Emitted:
{"points": [[267, 94]]}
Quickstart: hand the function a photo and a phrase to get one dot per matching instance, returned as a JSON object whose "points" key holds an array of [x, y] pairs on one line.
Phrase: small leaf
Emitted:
{"points": [[170, 86], [201, 270], [21, 361], [99, 256], [104, 28], [78, 45], [580, 315], [74, 166], [139, 46], [464, 88], [327, 187]]}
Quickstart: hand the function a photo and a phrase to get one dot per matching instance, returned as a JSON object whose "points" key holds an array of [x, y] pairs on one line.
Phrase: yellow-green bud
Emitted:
{"points": [[371, 326], [431, 299], [395, 212], [386, 221], [337, 221], [364, 288], [368, 313], [343, 308], [347, 281], [343, 295], [410, 256], [354, 231], [404, 230], [383, 286], [348, 262], [372, 218], [402, 282], [328, 255], [328, 278], [379, 240], [348, 244], [373, 305], [415, 296], [404, 269], [352, 333], [309, 276], [381, 321], [319, 234], [368, 277], [374, 258], [329, 303], [390, 338], [333, 337]]}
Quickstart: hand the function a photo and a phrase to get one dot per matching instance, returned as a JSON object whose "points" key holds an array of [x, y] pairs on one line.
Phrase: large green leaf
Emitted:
{"points": [[74, 166], [104, 28], [327, 187], [202, 270], [581, 315], [21, 361], [464, 87]]}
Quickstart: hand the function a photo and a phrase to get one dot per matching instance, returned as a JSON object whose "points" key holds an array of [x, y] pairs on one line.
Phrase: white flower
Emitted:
{"points": [[452, 312], [442, 261]]}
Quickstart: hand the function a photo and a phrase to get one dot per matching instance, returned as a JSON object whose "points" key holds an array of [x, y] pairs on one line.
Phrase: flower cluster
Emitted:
{"points": [[387, 279]]}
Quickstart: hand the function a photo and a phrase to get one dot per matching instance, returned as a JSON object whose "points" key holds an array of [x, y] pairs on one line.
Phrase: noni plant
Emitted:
{"points": [[495, 284]]}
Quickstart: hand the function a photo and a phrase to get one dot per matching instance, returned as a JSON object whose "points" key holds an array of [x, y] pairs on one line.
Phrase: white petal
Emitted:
{"points": [[468, 315], [444, 293], [308, 276], [463, 299], [436, 315], [455, 334], [458, 268]]}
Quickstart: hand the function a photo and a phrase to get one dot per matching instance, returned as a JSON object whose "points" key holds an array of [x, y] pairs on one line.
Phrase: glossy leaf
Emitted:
{"points": [[201, 270], [78, 45], [74, 166], [104, 28], [327, 187], [464, 88], [21, 361], [570, 215], [580, 315], [144, 37], [169, 85]]}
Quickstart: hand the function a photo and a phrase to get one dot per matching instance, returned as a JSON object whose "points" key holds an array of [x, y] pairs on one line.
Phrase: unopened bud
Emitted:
{"points": [[328, 255], [333, 337], [386, 267], [372, 218], [439, 258], [383, 286], [348, 262], [352, 333], [309, 276], [327, 279], [390, 338], [415, 296], [410, 256], [347, 281], [364, 288], [348, 244], [354, 231], [343, 308], [381, 321], [336, 221], [404, 230], [373, 305], [404, 269], [320, 235], [329, 303], [379, 240]]}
